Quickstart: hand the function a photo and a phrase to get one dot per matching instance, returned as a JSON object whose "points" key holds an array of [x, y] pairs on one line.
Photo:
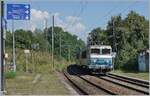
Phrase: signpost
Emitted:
{"points": [[26, 58], [1, 51], [17, 12]]}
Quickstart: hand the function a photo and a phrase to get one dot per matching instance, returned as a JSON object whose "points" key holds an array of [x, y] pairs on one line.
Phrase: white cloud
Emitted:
{"points": [[71, 24], [37, 14], [79, 27], [58, 20], [37, 19], [70, 19]]}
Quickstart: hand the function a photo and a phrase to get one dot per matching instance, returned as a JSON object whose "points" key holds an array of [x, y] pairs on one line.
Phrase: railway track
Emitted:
{"points": [[86, 86], [127, 82], [111, 84], [135, 81], [74, 84]]}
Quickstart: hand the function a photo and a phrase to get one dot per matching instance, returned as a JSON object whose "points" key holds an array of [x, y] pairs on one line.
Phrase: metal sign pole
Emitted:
{"points": [[2, 51], [14, 54], [53, 41]]}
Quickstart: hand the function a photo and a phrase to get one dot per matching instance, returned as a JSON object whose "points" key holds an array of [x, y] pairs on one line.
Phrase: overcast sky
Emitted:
{"points": [[78, 17]]}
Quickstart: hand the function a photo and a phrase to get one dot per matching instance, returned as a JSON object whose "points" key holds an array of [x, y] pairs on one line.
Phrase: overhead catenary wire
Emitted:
{"points": [[121, 12], [82, 7], [71, 24]]}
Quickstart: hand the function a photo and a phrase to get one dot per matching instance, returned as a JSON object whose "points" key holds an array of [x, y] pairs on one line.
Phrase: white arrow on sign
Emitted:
{"points": [[27, 17], [27, 12], [27, 6]]}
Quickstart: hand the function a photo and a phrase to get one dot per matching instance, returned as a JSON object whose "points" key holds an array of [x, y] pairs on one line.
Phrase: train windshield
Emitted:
{"points": [[95, 51], [105, 51]]}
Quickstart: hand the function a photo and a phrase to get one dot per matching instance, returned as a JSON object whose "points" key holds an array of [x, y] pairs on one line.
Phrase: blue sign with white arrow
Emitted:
{"points": [[18, 11]]}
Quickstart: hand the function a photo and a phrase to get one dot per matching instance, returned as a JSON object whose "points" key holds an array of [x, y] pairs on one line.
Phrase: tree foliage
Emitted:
{"points": [[130, 35], [42, 41]]}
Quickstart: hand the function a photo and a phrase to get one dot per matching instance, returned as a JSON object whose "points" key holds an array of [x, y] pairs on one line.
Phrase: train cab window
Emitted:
{"points": [[83, 54], [95, 51], [105, 51]]}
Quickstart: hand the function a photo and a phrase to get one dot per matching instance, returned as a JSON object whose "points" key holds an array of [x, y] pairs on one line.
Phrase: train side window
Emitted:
{"points": [[83, 54]]}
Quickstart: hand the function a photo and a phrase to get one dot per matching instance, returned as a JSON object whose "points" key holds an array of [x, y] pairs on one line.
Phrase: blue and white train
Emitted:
{"points": [[96, 58]]}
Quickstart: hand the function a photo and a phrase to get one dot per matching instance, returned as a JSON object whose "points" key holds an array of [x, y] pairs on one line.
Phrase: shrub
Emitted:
{"points": [[10, 74]]}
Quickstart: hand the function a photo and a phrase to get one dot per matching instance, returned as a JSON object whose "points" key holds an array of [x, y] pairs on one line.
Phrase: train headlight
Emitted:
{"points": [[107, 61], [94, 60], [111, 66]]}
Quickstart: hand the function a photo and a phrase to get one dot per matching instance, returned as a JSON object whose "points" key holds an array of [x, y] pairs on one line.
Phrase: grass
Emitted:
{"points": [[10, 74], [140, 75], [38, 63], [48, 84]]}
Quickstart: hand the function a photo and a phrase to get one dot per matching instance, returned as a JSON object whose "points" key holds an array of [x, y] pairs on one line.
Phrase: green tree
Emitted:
{"points": [[126, 36], [97, 36]]}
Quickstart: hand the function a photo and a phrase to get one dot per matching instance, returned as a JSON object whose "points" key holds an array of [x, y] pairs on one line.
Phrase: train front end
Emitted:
{"points": [[100, 59]]}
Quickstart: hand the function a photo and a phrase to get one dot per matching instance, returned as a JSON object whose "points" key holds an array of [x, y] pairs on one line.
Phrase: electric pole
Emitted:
{"points": [[14, 53], [2, 51], [46, 33], [114, 39], [53, 41], [60, 44], [69, 53]]}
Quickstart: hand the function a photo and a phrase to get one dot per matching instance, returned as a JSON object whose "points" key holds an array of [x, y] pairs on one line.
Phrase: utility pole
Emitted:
{"points": [[46, 33], [114, 39], [2, 51], [14, 53], [60, 44], [53, 41], [69, 53]]}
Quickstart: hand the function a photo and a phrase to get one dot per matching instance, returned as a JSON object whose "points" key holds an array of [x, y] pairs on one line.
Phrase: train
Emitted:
{"points": [[96, 58]]}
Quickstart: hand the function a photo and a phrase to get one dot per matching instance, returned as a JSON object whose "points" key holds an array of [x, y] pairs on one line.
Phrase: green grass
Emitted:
{"points": [[48, 84], [38, 63], [140, 75], [10, 75]]}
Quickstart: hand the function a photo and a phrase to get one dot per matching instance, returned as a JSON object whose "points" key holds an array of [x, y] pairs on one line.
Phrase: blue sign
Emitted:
{"points": [[18, 11]]}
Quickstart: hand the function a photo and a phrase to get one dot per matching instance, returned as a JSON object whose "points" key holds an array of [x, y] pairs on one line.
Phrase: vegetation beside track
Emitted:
{"points": [[140, 75], [39, 60], [47, 84], [38, 63]]}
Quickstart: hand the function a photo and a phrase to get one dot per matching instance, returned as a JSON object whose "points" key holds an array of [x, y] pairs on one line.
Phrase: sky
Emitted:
{"points": [[78, 17]]}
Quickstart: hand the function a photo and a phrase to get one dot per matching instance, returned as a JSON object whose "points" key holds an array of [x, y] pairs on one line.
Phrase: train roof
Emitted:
{"points": [[100, 46]]}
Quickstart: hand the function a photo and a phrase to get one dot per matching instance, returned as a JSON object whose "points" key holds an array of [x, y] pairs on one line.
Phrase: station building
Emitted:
{"points": [[143, 60]]}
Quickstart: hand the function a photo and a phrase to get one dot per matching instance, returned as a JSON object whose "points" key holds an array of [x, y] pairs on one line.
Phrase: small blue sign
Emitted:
{"points": [[18, 11]]}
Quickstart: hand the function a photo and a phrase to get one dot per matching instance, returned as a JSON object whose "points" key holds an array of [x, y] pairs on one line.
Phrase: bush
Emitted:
{"points": [[10, 75], [131, 65]]}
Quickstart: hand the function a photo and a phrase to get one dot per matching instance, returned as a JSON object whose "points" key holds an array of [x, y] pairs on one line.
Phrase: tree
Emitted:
{"points": [[126, 36], [113, 31], [97, 36], [68, 42]]}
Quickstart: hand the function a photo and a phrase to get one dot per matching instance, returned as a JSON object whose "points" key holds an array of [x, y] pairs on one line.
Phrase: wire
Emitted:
{"points": [[124, 10], [77, 15], [129, 7]]}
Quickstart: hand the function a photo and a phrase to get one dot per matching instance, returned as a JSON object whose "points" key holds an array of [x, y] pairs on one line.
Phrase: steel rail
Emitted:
{"points": [[128, 80]]}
